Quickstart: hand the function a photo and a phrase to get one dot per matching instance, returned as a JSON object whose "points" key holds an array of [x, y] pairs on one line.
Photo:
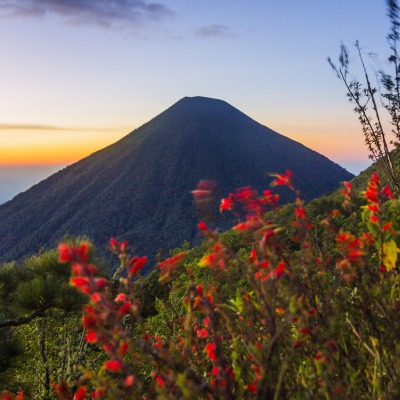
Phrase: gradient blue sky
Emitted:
{"points": [[77, 75]]}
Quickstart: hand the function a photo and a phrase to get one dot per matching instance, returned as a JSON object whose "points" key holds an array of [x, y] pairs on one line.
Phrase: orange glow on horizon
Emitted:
{"points": [[52, 147], [337, 141], [334, 146], [63, 147]]}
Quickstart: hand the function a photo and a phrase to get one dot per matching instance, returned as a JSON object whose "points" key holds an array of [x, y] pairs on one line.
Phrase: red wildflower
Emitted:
{"points": [[270, 198], [80, 393], [355, 254], [100, 283], [387, 226], [82, 284], [96, 297], [113, 244], [267, 235], [113, 365], [343, 237], [64, 254], [227, 204], [305, 331], [108, 347], [372, 195], [91, 270], [283, 180], [347, 193], [300, 212], [374, 219], [91, 337], [257, 275], [68, 253], [123, 245], [373, 208], [83, 251], [160, 381], [172, 261], [125, 308], [202, 333], [121, 298], [202, 226], [137, 265], [387, 192], [123, 348], [207, 261], [279, 270], [211, 351], [264, 264], [97, 394], [129, 380], [320, 356], [252, 387], [245, 194], [77, 269], [199, 290], [242, 226], [89, 321]]}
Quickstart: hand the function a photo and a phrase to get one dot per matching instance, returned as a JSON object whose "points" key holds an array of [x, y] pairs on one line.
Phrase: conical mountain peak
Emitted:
{"points": [[139, 189]]}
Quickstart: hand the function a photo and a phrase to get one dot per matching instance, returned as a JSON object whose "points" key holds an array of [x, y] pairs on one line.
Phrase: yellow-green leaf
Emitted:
{"points": [[389, 256]]}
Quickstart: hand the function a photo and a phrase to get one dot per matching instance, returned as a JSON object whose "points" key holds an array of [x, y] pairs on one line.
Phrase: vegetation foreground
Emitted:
{"points": [[307, 309], [298, 302]]}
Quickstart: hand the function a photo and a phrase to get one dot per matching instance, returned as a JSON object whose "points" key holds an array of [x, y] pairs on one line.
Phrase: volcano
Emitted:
{"points": [[139, 188]]}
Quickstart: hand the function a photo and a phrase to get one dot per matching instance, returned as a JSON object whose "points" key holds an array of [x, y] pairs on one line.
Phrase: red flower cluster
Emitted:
{"points": [[280, 307], [68, 253], [102, 312], [284, 180]]}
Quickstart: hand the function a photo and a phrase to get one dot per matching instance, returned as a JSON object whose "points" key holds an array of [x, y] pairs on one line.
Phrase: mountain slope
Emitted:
{"points": [[139, 188]]}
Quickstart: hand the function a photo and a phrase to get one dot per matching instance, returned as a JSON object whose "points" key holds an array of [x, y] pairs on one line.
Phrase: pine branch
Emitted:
{"points": [[21, 321]]}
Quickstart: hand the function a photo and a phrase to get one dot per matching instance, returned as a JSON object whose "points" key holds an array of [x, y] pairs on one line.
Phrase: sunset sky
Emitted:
{"points": [[77, 75]]}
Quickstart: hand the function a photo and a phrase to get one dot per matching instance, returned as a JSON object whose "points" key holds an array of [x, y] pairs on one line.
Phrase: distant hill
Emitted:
{"points": [[139, 188]]}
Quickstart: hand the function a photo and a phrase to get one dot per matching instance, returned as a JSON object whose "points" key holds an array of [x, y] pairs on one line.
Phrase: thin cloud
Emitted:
{"points": [[213, 31], [43, 127], [31, 127], [106, 13]]}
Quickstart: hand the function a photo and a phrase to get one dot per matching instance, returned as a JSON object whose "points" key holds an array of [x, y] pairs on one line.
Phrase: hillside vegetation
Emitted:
{"points": [[304, 309]]}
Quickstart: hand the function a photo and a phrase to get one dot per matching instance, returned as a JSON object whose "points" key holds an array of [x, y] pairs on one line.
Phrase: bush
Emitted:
{"points": [[260, 321]]}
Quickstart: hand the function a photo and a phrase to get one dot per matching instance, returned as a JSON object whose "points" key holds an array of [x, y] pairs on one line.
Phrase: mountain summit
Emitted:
{"points": [[138, 189]]}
